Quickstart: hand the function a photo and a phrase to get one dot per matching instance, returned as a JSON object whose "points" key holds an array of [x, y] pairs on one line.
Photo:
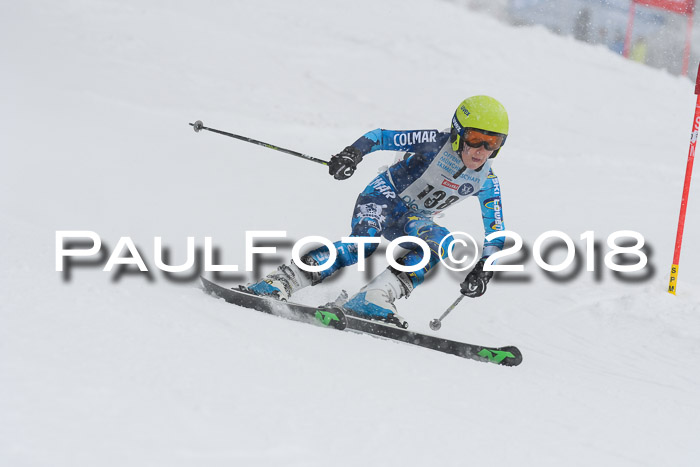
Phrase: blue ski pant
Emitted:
{"points": [[380, 212]]}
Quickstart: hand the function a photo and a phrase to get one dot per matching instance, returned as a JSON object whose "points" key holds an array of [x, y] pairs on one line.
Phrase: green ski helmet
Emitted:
{"points": [[483, 113]]}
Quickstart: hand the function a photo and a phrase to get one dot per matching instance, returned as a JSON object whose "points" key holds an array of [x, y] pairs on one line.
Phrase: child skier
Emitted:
{"points": [[439, 170]]}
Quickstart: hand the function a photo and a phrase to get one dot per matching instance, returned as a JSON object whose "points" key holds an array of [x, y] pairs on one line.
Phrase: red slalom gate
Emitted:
{"points": [[686, 188], [682, 7]]}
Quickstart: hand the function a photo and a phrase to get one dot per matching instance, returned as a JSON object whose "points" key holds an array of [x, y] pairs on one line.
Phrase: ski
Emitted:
{"points": [[506, 356], [322, 315], [332, 316]]}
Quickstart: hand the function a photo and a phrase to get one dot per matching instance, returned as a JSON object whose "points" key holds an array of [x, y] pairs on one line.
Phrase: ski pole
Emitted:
{"points": [[437, 323], [198, 125], [686, 188]]}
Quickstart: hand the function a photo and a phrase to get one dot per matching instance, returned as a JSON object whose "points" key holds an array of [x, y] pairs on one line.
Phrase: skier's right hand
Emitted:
{"points": [[343, 165], [475, 284]]}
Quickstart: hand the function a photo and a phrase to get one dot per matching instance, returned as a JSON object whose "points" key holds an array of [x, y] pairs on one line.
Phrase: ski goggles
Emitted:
{"points": [[477, 138]]}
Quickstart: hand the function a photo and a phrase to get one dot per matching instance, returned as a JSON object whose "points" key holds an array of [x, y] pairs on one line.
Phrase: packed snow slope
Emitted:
{"points": [[136, 369]]}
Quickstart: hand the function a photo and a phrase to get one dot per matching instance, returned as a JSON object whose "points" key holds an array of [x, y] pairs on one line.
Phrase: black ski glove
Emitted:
{"points": [[343, 165], [475, 283]]}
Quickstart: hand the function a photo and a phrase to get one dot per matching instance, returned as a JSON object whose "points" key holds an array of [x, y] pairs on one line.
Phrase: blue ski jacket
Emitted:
{"points": [[431, 177]]}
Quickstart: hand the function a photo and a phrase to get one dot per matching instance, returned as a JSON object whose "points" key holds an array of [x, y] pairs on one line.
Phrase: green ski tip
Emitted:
{"points": [[495, 356]]}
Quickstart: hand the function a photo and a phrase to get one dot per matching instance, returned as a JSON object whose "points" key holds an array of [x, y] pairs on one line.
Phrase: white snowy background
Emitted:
{"points": [[95, 99]]}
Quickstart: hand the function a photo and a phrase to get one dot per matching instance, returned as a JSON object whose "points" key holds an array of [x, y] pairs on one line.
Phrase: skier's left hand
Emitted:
{"points": [[475, 283], [343, 165]]}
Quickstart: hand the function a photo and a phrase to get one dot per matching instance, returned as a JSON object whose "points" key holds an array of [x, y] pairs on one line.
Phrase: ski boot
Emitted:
{"points": [[282, 282], [376, 299]]}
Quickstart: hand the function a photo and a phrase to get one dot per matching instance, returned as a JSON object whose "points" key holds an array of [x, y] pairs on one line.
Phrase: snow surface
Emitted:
{"points": [[105, 370]]}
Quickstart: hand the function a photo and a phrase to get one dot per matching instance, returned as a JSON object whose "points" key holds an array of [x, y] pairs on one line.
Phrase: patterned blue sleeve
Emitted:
{"points": [[491, 213], [390, 140]]}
